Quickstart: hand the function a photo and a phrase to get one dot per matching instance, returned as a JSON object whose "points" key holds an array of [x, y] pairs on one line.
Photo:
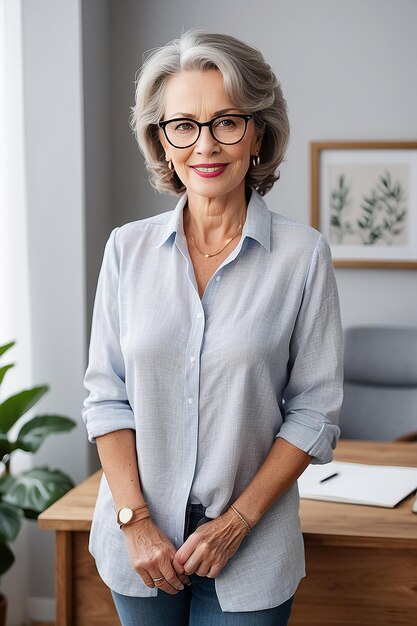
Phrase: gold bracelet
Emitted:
{"points": [[241, 517]]}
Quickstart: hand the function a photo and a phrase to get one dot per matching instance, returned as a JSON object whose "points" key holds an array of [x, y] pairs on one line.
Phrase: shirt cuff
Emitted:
{"points": [[318, 438], [105, 418]]}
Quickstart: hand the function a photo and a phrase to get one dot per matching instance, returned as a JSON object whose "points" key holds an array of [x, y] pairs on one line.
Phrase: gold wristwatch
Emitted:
{"points": [[126, 515]]}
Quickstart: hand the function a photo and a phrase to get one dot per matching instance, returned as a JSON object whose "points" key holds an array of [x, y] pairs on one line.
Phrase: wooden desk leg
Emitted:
{"points": [[63, 582]]}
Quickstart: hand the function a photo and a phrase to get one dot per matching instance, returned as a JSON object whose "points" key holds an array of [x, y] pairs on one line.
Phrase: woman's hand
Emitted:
{"points": [[152, 555], [210, 546]]}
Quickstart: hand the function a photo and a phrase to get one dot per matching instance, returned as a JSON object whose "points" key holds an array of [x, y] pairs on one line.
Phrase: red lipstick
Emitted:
{"points": [[209, 170]]}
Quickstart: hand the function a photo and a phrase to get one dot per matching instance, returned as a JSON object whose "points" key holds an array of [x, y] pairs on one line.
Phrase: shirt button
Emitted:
{"points": [[218, 278], [199, 315], [190, 400], [192, 359]]}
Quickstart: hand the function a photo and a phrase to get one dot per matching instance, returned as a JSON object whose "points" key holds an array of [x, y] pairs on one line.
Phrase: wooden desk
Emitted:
{"points": [[361, 561]]}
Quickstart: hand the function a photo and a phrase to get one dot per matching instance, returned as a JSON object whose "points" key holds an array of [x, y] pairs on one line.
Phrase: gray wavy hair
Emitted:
{"points": [[249, 82]]}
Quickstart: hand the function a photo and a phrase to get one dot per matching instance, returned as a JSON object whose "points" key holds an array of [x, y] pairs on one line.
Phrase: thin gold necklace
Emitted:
{"points": [[221, 249]]}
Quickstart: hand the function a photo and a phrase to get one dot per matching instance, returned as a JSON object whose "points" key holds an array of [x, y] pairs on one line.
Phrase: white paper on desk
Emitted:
{"points": [[374, 485]]}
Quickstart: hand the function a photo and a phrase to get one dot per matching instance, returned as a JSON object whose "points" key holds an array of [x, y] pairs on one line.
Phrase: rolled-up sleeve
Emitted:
{"points": [[314, 392], [106, 408]]}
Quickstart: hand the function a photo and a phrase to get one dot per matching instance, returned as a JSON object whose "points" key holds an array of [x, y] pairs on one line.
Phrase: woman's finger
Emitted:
{"points": [[184, 578], [161, 582], [171, 577], [193, 563], [146, 577], [203, 569], [187, 548], [214, 571]]}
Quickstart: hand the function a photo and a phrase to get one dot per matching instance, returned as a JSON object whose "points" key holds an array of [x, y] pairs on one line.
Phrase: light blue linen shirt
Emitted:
{"points": [[208, 384]]}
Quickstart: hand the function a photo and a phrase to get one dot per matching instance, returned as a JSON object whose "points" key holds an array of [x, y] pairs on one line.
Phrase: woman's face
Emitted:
{"points": [[201, 95]]}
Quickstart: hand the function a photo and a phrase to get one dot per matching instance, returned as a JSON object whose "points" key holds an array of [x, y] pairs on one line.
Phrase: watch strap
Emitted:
{"points": [[139, 513]]}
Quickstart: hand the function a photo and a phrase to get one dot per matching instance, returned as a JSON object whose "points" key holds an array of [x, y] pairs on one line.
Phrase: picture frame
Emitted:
{"points": [[364, 201]]}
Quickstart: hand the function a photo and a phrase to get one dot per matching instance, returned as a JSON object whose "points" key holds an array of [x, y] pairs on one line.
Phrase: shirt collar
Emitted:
{"points": [[257, 224]]}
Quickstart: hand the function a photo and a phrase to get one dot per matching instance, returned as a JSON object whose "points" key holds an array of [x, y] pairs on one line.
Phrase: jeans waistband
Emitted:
{"points": [[196, 508]]}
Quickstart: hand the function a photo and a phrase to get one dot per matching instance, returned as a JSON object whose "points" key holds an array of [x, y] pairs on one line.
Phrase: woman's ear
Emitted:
{"points": [[256, 143], [164, 144]]}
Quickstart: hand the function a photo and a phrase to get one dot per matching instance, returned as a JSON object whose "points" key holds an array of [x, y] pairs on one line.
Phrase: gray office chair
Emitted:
{"points": [[380, 388]]}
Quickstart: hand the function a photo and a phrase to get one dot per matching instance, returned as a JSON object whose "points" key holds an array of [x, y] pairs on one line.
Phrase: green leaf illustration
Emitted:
{"points": [[339, 202], [384, 213], [6, 347]]}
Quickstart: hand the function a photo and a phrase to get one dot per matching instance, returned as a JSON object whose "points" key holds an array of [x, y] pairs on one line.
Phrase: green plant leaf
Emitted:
{"points": [[6, 347], [29, 514], [3, 371], [36, 430], [37, 489], [10, 522], [5, 445], [14, 407], [6, 481], [6, 558]]}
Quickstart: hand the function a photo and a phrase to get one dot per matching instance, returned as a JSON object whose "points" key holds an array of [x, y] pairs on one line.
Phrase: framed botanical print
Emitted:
{"points": [[364, 200]]}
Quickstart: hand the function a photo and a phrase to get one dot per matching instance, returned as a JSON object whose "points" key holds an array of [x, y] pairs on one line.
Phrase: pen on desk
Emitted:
{"points": [[323, 480]]}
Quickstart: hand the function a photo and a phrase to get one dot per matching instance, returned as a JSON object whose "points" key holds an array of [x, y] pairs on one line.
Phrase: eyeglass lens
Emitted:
{"points": [[227, 129]]}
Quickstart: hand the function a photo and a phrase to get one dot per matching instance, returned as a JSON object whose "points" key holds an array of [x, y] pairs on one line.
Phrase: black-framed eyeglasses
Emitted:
{"points": [[183, 132]]}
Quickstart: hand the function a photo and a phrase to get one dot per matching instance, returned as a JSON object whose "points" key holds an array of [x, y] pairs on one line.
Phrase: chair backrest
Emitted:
{"points": [[380, 385]]}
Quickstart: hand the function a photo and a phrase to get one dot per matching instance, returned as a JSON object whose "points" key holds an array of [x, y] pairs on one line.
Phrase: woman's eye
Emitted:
{"points": [[226, 122], [184, 127]]}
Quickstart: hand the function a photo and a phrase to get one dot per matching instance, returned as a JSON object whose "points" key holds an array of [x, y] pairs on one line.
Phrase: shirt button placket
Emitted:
{"points": [[191, 388]]}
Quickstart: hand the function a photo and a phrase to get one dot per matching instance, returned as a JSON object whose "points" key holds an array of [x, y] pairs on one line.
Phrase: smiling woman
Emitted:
{"points": [[248, 82], [211, 158], [215, 371]]}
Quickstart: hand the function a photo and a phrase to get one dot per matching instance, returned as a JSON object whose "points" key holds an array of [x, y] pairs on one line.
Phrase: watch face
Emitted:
{"points": [[125, 515]]}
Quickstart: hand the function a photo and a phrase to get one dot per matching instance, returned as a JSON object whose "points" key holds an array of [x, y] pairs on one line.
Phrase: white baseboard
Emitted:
{"points": [[41, 609]]}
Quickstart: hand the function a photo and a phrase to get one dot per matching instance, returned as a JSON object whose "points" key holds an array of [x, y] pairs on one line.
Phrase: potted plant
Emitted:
{"points": [[29, 493]]}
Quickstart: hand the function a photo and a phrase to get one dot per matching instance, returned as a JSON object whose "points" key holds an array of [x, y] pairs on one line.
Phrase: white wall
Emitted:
{"points": [[97, 136], [68, 155], [66, 221], [15, 307], [56, 215], [348, 71], [54, 148], [98, 151]]}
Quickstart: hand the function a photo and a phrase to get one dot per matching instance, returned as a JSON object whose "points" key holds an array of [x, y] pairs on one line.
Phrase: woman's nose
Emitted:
{"points": [[206, 143]]}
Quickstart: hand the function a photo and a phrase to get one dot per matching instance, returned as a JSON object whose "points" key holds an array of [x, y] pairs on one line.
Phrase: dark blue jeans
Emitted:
{"points": [[195, 605]]}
